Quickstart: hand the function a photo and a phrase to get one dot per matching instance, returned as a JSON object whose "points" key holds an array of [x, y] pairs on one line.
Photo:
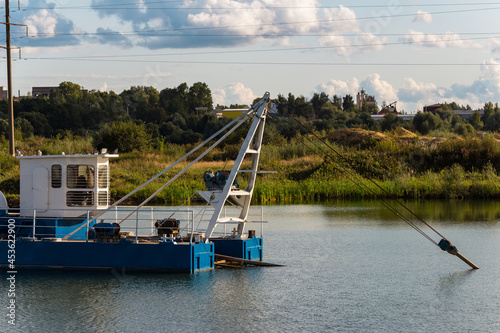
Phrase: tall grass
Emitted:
{"points": [[455, 168]]}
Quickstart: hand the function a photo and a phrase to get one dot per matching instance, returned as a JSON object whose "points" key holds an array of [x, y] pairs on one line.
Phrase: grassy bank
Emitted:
{"points": [[422, 168]]}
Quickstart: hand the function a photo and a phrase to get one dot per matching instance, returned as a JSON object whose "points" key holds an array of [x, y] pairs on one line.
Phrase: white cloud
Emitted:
{"points": [[218, 96], [422, 16], [412, 91], [339, 20], [235, 93], [413, 95], [345, 46], [255, 18], [491, 76], [448, 39], [485, 89], [242, 22], [46, 27], [104, 87], [340, 44], [495, 48], [369, 42], [382, 90], [339, 88], [142, 6], [42, 22]]}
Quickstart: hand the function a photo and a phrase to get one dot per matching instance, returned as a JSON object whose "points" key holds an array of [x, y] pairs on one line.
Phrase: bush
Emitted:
{"points": [[7, 162], [124, 136]]}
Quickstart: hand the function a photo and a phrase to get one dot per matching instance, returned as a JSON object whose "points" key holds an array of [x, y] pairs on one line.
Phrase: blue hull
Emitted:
{"points": [[248, 249], [121, 256]]}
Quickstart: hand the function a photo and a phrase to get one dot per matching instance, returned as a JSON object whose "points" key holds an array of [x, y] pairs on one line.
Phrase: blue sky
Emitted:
{"points": [[413, 52]]}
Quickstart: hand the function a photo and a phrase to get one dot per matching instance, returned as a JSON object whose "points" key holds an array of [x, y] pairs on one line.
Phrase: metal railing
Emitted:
{"points": [[139, 225]]}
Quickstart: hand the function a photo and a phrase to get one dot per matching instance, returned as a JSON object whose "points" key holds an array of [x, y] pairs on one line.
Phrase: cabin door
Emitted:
{"points": [[40, 188]]}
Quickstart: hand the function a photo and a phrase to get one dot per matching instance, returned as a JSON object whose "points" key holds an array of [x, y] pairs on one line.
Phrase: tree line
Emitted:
{"points": [[172, 115]]}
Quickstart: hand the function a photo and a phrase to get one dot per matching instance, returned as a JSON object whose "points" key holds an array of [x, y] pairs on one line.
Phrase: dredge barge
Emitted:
{"points": [[65, 220]]}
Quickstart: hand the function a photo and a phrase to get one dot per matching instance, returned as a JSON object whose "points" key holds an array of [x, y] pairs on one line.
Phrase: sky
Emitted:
{"points": [[414, 52]]}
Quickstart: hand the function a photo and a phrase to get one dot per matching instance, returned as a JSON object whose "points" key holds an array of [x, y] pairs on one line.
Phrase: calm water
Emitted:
{"points": [[350, 267]]}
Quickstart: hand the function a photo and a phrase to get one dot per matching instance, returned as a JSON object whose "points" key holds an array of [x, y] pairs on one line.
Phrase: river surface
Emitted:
{"points": [[350, 267]]}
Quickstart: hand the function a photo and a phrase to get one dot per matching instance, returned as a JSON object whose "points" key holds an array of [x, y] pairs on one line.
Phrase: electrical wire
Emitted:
{"points": [[116, 57], [255, 7], [332, 20]]}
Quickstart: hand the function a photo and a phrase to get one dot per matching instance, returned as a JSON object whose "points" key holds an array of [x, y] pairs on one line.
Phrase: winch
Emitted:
{"points": [[105, 232], [167, 227]]}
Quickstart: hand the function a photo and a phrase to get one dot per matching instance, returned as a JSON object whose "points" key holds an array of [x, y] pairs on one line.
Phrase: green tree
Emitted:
{"points": [[390, 121], [424, 122], [41, 126], [67, 92], [348, 104], [336, 101], [4, 129], [362, 120], [369, 108], [327, 111], [239, 106], [175, 100], [464, 129], [199, 95], [318, 101], [139, 99], [475, 120], [23, 126]]}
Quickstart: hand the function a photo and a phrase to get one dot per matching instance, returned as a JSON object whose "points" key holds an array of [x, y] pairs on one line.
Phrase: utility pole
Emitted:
{"points": [[9, 81], [9, 74]]}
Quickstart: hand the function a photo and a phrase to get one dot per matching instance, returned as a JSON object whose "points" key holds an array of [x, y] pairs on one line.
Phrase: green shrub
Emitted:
{"points": [[124, 136]]}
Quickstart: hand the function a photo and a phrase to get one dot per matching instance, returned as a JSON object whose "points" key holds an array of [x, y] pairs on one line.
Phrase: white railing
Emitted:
{"points": [[139, 225]]}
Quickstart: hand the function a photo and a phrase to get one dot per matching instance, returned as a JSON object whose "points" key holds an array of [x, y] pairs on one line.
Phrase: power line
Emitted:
{"points": [[259, 63], [166, 33], [309, 48], [145, 4], [146, 33], [331, 20]]}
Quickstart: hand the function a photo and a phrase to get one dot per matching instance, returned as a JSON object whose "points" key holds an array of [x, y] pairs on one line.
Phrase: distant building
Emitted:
{"points": [[388, 108], [233, 113], [201, 110], [432, 108], [466, 114], [364, 98], [3, 93], [42, 91], [217, 113], [406, 117]]}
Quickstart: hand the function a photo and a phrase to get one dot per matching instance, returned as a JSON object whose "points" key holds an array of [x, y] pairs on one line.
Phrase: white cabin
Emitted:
{"points": [[64, 185]]}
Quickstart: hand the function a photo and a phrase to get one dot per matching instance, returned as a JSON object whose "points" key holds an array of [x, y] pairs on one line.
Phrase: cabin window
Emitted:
{"points": [[79, 198], [80, 176], [56, 176], [102, 176]]}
